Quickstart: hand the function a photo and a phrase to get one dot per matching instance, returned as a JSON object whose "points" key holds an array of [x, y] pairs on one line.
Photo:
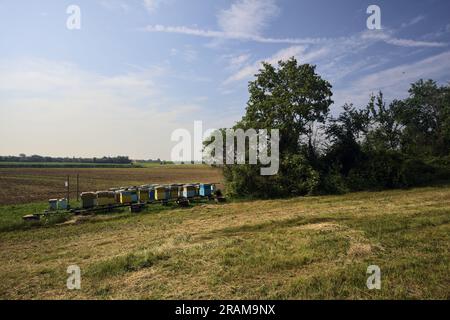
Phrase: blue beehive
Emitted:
{"points": [[151, 194], [188, 191], [205, 190], [134, 195]]}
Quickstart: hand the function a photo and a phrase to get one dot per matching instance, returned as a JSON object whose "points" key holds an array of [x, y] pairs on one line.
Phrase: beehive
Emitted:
{"points": [[105, 198], [180, 190], [205, 190], [161, 193], [197, 189], [53, 204], [62, 204], [134, 196], [151, 193], [143, 194], [174, 191], [88, 200], [125, 196], [188, 191], [115, 191]]}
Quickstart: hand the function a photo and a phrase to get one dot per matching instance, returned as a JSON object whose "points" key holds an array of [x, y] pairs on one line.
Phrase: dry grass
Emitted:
{"points": [[314, 247]]}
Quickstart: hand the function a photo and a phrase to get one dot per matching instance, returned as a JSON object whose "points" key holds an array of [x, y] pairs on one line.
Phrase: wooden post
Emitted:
{"points": [[78, 186], [68, 190]]}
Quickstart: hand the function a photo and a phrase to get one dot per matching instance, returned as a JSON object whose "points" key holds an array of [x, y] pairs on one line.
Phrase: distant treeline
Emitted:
{"points": [[150, 161], [37, 159]]}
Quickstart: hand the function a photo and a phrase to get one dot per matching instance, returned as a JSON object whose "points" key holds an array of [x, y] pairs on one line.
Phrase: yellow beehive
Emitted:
{"points": [[174, 191], [105, 198], [143, 194], [125, 196], [161, 193]]}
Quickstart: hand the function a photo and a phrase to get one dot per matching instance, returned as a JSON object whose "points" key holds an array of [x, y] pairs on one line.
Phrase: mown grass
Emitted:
{"points": [[300, 248], [125, 263]]}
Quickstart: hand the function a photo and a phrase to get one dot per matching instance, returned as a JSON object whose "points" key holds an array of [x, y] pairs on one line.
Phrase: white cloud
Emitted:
{"points": [[413, 21], [388, 38], [252, 69], [248, 17], [336, 58], [228, 35], [245, 20], [236, 61], [394, 82], [187, 53], [152, 5], [56, 108], [374, 35], [330, 55], [115, 5]]}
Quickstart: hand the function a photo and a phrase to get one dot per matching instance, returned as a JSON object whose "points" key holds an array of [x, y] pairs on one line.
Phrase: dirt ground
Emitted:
{"points": [[23, 185]]}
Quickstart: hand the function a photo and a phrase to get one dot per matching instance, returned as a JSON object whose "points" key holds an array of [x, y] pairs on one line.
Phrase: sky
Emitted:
{"points": [[136, 70]]}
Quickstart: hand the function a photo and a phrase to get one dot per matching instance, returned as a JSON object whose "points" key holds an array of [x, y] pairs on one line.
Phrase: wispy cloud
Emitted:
{"points": [[228, 35], [245, 20], [413, 21], [237, 61], [152, 5], [336, 58], [394, 82], [390, 39], [115, 5], [188, 53], [250, 70], [376, 35], [248, 17]]}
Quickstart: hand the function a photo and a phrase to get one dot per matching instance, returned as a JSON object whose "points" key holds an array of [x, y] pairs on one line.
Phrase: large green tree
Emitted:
{"points": [[292, 98], [425, 115]]}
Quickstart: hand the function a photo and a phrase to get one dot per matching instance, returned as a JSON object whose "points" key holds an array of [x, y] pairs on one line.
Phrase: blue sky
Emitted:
{"points": [[139, 69]]}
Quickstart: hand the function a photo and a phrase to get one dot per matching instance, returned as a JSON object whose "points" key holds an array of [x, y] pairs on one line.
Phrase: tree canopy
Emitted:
{"points": [[380, 145]]}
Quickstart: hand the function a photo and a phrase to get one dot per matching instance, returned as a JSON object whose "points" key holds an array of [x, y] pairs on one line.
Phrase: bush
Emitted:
{"points": [[333, 183]]}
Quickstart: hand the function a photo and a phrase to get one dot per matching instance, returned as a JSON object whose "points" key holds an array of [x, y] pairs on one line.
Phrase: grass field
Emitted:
{"points": [[311, 247], [24, 185]]}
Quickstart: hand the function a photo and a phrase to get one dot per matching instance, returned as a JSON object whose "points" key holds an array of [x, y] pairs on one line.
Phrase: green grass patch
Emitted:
{"points": [[11, 217], [126, 263]]}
